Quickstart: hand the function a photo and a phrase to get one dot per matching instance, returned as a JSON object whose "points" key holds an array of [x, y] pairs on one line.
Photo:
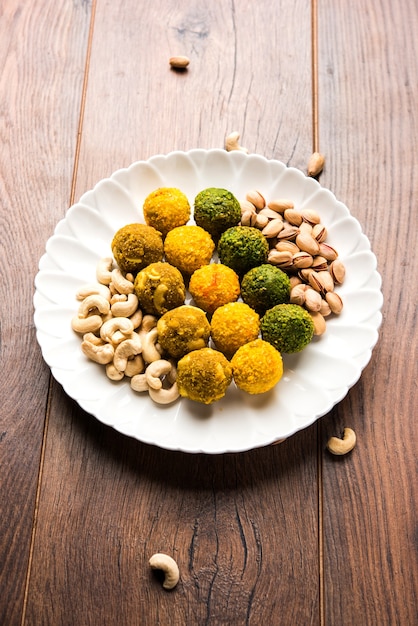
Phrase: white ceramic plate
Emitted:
{"points": [[313, 381]]}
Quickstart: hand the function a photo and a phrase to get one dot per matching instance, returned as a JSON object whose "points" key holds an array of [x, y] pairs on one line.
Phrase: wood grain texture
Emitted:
{"points": [[42, 48], [369, 127], [235, 523], [286, 534], [241, 77]]}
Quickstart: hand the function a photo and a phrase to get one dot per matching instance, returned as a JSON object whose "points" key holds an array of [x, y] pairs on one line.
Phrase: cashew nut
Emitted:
{"points": [[118, 297], [136, 318], [127, 348], [93, 304], [121, 284], [344, 445], [170, 568], [92, 338], [150, 351], [104, 270], [89, 324], [93, 288], [148, 322], [127, 308], [139, 382], [113, 373], [134, 366], [164, 396], [100, 354], [121, 325], [155, 370], [232, 143]]}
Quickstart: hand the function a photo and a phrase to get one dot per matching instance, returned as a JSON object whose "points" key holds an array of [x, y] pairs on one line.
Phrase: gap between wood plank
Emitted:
{"points": [[315, 148], [49, 392], [314, 60]]}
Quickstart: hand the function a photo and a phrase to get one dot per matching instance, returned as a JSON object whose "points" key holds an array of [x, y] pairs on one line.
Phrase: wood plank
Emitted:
{"points": [[42, 51], [236, 524], [258, 85], [108, 502], [369, 127]]}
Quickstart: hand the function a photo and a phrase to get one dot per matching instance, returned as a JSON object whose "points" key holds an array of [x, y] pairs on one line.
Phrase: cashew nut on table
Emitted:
{"points": [[168, 565], [344, 445], [118, 336]]}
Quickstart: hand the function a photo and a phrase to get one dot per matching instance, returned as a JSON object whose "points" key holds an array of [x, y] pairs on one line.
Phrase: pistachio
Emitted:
{"points": [[325, 309], [248, 218], [321, 282], [306, 228], [327, 251], [319, 323], [312, 300], [334, 302], [272, 215], [319, 263], [280, 205], [273, 228], [316, 164], [179, 62], [337, 271], [288, 232], [302, 259], [305, 273], [261, 221], [311, 217], [246, 205], [287, 246], [297, 294], [315, 282], [282, 259], [319, 232], [256, 198], [295, 280], [293, 217], [307, 243], [326, 280]]}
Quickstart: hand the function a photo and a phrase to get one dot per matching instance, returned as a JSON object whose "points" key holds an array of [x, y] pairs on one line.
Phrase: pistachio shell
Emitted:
{"points": [[319, 323], [334, 301], [256, 198], [302, 259], [272, 228], [280, 205], [293, 217], [337, 271], [307, 243]]}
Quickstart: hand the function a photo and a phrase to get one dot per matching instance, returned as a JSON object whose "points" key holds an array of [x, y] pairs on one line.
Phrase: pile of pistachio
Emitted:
{"points": [[297, 242]]}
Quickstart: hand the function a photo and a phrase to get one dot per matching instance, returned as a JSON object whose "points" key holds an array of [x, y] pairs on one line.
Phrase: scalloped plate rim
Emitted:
{"points": [[238, 160]]}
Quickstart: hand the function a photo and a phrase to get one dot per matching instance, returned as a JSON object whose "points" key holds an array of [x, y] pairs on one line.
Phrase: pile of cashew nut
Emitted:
{"points": [[117, 335]]}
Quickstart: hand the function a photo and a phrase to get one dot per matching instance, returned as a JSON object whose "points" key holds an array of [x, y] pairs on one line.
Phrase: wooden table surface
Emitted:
{"points": [[282, 535]]}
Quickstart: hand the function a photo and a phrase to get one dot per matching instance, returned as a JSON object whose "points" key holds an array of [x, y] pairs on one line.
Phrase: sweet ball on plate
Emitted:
{"points": [[166, 208], [204, 375], [188, 248], [216, 209], [242, 247], [264, 286], [135, 246], [257, 367], [213, 285], [288, 327], [232, 325], [159, 287], [182, 330]]}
